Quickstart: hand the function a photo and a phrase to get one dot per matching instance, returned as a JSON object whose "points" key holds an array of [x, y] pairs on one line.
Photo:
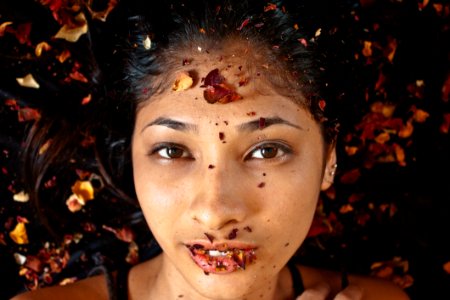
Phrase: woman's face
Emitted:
{"points": [[228, 190]]}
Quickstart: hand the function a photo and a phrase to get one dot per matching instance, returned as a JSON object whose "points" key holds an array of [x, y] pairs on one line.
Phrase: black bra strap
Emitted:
{"points": [[297, 281]]}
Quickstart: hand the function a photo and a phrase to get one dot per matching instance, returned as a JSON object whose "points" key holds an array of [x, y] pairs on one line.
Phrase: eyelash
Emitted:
{"points": [[285, 150], [166, 146]]}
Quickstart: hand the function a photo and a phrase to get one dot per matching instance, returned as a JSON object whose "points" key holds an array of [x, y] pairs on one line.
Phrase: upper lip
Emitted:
{"points": [[222, 246]]}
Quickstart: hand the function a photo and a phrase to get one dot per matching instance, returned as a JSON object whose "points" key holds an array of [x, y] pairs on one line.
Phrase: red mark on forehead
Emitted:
{"points": [[262, 123], [221, 136]]}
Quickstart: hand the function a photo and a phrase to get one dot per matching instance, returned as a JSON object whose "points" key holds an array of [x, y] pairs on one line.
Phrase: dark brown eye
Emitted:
{"points": [[172, 152], [269, 151]]}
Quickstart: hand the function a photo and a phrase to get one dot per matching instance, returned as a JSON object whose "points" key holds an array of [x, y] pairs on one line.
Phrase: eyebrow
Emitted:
{"points": [[173, 124], [262, 123], [258, 124]]}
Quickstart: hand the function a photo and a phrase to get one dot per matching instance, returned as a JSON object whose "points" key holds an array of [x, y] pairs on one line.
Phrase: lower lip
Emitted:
{"points": [[234, 260]]}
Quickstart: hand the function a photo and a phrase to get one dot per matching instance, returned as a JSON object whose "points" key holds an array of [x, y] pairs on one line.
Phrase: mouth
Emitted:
{"points": [[221, 259]]}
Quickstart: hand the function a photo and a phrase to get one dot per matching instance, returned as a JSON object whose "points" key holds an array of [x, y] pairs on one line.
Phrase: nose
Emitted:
{"points": [[220, 200]]}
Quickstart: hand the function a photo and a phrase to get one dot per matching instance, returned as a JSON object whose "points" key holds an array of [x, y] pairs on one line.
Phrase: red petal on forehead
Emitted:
{"points": [[220, 94], [213, 78], [262, 123]]}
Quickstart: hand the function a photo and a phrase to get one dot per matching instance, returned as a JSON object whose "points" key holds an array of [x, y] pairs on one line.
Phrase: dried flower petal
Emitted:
{"points": [[72, 34], [84, 190], [42, 46], [65, 54], [3, 27], [19, 234], [124, 234], [147, 43], [74, 203], [183, 82], [28, 81], [102, 15], [21, 197]]}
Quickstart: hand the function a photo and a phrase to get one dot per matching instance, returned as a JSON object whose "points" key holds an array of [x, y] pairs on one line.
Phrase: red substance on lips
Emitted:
{"points": [[236, 259]]}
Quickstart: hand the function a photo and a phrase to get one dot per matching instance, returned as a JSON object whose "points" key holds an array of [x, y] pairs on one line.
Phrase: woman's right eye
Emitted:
{"points": [[171, 152]]}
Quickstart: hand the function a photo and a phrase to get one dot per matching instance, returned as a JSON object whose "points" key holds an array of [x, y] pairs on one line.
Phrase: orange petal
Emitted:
{"points": [[19, 234], [43, 46], [84, 190]]}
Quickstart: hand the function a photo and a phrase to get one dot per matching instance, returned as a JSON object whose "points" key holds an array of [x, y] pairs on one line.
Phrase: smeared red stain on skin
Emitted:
{"points": [[262, 184], [211, 167], [210, 237], [232, 235], [262, 123], [221, 136], [248, 229]]}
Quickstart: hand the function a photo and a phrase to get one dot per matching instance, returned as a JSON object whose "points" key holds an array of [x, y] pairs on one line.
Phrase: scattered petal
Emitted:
{"points": [[3, 27], [83, 190], [19, 234], [183, 82], [21, 197], [74, 203], [28, 81], [72, 34], [42, 46], [147, 43]]}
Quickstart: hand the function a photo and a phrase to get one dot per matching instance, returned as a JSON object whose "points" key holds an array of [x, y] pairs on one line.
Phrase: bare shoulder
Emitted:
{"points": [[373, 288], [86, 289]]}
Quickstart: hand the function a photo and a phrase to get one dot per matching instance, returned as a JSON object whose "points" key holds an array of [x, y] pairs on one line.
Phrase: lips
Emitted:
{"points": [[221, 258]]}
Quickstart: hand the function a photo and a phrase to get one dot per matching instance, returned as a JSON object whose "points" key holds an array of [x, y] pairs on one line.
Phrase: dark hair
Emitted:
{"points": [[121, 74]]}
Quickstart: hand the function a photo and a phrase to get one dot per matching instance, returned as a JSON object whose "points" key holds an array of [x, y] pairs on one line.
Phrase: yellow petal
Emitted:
{"points": [[73, 34], [84, 190], [21, 197], [183, 82], [19, 234], [28, 81]]}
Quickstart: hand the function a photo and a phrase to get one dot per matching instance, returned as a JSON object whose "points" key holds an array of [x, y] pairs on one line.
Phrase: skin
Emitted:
{"points": [[183, 197]]}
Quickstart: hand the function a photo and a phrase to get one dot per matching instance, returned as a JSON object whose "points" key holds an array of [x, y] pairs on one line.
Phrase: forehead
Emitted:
{"points": [[245, 69]]}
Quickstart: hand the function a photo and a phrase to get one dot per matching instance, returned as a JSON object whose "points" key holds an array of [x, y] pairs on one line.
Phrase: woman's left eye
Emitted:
{"points": [[269, 151]]}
